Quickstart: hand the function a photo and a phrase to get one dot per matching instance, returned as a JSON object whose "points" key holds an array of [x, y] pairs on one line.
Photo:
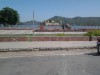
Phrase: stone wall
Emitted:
{"points": [[67, 38], [13, 39]]}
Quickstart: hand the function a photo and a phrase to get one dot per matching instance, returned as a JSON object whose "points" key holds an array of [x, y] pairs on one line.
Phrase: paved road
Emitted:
{"points": [[51, 65]]}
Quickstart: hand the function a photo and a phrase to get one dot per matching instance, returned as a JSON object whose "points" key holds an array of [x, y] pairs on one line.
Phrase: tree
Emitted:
{"points": [[8, 16]]}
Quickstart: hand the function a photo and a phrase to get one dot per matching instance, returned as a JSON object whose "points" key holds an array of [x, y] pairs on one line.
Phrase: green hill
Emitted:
{"points": [[77, 20]]}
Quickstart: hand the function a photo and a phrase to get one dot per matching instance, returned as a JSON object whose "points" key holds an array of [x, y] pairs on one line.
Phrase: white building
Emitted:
{"points": [[53, 23]]}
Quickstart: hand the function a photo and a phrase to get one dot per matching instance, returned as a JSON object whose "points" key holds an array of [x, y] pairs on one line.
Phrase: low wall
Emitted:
{"points": [[11, 39], [66, 38]]}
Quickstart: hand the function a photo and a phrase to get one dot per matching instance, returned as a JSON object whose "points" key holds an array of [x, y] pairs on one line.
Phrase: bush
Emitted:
{"points": [[93, 33], [97, 32]]}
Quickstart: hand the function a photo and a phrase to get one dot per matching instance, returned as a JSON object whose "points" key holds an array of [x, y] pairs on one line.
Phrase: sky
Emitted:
{"points": [[45, 9]]}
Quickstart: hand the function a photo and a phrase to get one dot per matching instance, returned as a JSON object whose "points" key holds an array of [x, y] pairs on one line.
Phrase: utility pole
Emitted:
{"points": [[33, 22], [33, 18]]}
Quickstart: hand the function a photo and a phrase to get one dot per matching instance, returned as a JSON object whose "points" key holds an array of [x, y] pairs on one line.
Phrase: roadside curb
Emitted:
{"points": [[43, 49]]}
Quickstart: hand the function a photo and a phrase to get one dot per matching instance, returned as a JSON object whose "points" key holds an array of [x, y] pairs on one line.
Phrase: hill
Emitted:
{"points": [[76, 20]]}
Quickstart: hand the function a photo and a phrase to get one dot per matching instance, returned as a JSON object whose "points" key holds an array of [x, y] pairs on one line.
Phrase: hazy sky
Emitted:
{"points": [[45, 9]]}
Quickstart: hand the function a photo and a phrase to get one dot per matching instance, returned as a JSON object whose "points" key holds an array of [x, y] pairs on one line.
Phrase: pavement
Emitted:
{"points": [[30, 32], [16, 32], [87, 64], [47, 44]]}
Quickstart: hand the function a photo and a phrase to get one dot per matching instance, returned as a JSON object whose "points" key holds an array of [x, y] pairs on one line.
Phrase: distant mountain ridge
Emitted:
{"points": [[76, 20], [71, 21], [29, 23]]}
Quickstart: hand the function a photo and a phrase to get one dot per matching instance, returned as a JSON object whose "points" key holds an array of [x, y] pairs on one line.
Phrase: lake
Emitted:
{"points": [[52, 27]]}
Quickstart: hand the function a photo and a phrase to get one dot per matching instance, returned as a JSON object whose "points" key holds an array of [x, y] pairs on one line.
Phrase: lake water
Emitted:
{"points": [[53, 27]]}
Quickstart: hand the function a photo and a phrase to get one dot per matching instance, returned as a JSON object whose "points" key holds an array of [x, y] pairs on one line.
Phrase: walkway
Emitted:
{"points": [[30, 32], [47, 44]]}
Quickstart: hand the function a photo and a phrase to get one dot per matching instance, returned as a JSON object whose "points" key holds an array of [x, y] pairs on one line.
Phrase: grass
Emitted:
{"points": [[31, 35], [93, 33], [59, 34]]}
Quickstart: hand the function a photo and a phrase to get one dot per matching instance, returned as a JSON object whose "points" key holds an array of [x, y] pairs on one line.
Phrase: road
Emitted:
{"points": [[88, 64]]}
